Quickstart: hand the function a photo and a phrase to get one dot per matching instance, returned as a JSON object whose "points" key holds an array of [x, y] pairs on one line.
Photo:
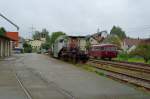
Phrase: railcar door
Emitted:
{"points": [[91, 52], [96, 52]]}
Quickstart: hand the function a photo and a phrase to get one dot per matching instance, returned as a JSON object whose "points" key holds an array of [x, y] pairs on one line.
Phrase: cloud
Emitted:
{"points": [[77, 16]]}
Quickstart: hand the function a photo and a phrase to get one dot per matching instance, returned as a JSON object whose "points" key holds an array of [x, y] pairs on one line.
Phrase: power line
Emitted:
{"points": [[9, 21]]}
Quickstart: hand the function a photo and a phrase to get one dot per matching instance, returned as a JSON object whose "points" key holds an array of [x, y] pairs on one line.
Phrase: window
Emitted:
{"points": [[110, 48]]}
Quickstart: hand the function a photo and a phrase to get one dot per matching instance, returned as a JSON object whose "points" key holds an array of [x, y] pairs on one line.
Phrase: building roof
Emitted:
{"points": [[12, 36], [77, 36], [104, 45], [147, 41], [131, 42], [98, 36]]}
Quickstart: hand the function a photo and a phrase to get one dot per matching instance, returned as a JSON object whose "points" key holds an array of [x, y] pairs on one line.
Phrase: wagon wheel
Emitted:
{"points": [[69, 57], [74, 59], [102, 58], [109, 58], [61, 56], [66, 57]]}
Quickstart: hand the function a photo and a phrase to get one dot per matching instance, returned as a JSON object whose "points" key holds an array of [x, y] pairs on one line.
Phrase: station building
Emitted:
{"points": [[8, 40]]}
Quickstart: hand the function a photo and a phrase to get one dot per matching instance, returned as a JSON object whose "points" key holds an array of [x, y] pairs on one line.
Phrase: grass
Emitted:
{"points": [[131, 59], [90, 69], [136, 60], [100, 73]]}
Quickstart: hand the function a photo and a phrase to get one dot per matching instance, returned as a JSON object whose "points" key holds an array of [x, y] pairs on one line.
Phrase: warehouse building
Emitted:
{"points": [[8, 40]]}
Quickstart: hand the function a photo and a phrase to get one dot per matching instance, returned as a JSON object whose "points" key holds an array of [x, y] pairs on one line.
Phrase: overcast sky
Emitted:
{"points": [[80, 17]]}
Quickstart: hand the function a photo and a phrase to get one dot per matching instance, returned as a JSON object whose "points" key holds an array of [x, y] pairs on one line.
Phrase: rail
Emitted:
{"points": [[124, 71]]}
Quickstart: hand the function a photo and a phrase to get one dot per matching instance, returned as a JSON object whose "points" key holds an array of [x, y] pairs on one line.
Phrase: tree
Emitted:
{"points": [[113, 39], [2, 30], [88, 45], [55, 35], [118, 31], [40, 34], [46, 33], [36, 36], [43, 34], [45, 45], [27, 48], [142, 50]]}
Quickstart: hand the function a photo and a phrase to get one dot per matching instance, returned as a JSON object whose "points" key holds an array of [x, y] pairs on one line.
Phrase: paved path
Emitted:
{"points": [[9, 86], [80, 83], [48, 78]]}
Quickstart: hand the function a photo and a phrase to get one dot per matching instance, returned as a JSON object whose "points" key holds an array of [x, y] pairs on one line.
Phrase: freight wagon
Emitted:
{"points": [[70, 48]]}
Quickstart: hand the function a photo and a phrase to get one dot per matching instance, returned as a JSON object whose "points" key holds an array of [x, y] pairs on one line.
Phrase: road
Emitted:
{"points": [[37, 76]]}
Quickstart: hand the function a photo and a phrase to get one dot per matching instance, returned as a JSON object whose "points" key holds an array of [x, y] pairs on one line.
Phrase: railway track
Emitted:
{"points": [[127, 65], [19, 81], [133, 63], [36, 86], [131, 73], [23, 88]]}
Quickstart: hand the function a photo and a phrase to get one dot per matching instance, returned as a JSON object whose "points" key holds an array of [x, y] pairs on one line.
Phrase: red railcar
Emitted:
{"points": [[103, 51]]}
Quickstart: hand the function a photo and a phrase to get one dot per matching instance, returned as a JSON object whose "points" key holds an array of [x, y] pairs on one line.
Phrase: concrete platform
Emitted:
{"points": [[9, 87], [48, 78], [78, 82]]}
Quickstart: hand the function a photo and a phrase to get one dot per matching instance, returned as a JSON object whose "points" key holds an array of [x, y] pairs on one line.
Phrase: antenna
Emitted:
{"points": [[32, 30]]}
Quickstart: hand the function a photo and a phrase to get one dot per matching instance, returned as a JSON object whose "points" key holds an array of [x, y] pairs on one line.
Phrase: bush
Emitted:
{"points": [[142, 50], [27, 48], [123, 56]]}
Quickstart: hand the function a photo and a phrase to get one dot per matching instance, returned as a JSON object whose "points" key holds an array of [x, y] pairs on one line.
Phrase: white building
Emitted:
{"points": [[97, 38], [36, 44], [93, 41]]}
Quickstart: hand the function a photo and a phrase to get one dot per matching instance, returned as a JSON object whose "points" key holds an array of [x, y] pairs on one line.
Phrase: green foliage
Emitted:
{"points": [[38, 35], [123, 56], [45, 46], [47, 38], [88, 45], [142, 50], [27, 48], [2, 31], [43, 34], [136, 59], [113, 39], [118, 31], [100, 73], [55, 35]]}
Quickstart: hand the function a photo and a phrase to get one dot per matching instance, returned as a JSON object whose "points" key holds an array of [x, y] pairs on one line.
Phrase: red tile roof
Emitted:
{"points": [[131, 42], [12, 35], [147, 41]]}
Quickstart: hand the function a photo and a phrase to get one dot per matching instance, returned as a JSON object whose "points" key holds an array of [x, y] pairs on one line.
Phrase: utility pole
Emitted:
{"points": [[32, 30], [98, 30], [9, 21]]}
